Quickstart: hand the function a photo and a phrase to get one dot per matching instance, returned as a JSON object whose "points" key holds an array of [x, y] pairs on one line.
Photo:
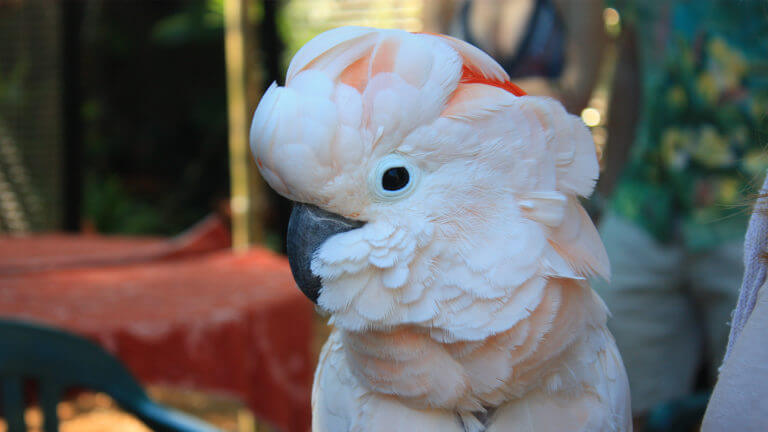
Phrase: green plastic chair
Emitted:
{"points": [[57, 361]]}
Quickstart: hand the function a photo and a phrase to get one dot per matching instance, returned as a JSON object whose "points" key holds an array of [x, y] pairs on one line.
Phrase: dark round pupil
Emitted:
{"points": [[395, 178]]}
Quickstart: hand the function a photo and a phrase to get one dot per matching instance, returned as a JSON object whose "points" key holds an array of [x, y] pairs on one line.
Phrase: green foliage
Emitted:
{"points": [[700, 153], [112, 209], [155, 116], [11, 84], [197, 21]]}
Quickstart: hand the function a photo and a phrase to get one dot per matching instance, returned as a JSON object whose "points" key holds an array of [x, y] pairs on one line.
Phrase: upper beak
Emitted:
{"points": [[308, 228]]}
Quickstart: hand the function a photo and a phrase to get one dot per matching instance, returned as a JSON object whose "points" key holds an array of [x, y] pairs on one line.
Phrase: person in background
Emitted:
{"points": [[691, 158], [548, 47]]}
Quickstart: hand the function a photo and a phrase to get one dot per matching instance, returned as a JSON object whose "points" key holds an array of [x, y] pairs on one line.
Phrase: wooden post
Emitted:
{"points": [[247, 200]]}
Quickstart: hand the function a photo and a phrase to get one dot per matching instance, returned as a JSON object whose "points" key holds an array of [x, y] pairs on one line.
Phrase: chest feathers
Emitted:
{"points": [[472, 376]]}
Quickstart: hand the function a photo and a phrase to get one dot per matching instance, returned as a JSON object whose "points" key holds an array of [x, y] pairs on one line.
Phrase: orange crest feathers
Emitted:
{"points": [[470, 76], [478, 67]]}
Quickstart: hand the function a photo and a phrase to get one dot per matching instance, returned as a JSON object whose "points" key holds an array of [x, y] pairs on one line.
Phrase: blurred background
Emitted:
{"points": [[123, 125]]}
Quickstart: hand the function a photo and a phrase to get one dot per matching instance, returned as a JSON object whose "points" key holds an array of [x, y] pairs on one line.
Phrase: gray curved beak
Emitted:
{"points": [[308, 228]]}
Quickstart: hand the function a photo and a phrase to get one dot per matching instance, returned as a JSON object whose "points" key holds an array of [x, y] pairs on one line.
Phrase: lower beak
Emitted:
{"points": [[308, 228]]}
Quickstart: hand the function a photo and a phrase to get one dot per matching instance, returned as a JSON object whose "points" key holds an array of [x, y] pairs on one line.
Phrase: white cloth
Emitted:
{"points": [[740, 399], [755, 245]]}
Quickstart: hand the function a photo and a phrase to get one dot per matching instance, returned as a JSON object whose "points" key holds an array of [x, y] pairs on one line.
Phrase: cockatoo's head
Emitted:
{"points": [[426, 183]]}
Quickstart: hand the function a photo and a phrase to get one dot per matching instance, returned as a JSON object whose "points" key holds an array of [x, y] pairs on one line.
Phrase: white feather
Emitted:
{"points": [[333, 50], [547, 207], [395, 277], [578, 242], [469, 291], [476, 58]]}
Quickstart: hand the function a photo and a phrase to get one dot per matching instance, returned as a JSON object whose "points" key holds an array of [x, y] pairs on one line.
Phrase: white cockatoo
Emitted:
{"points": [[437, 222]]}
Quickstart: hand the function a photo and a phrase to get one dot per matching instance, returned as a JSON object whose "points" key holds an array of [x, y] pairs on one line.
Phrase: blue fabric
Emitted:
{"points": [[542, 50]]}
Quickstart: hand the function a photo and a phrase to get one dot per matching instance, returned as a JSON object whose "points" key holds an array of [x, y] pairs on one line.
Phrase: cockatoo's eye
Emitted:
{"points": [[393, 178]]}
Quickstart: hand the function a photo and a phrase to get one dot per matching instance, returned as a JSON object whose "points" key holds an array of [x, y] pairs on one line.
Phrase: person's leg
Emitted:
{"points": [[715, 280], [652, 317]]}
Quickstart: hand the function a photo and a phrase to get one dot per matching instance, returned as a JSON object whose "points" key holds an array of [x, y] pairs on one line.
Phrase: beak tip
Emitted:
{"points": [[308, 228], [300, 263]]}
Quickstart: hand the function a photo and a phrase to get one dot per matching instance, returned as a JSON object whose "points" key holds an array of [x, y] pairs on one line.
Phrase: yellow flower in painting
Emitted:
{"points": [[740, 136], [712, 149], [759, 108], [707, 87], [717, 47], [674, 145], [755, 162], [686, 59], [676, 97], [727, 65], [728, 191]]}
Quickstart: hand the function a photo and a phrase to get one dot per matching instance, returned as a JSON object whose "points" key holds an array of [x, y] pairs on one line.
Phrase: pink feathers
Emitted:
{"points": [[471, 76]]}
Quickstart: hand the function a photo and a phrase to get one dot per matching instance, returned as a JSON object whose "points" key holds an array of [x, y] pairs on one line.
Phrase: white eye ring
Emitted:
{"points": [[376, 181]]}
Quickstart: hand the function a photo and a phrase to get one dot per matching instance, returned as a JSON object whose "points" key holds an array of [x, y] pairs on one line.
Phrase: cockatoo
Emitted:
{"points": [[437, 222]]}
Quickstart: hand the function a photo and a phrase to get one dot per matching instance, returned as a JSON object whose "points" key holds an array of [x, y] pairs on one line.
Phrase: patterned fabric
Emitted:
{"points": [[700, 149]]}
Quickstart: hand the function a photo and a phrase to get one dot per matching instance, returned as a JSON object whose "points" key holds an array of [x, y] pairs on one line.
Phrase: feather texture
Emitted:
{"points": [[461, 304]]}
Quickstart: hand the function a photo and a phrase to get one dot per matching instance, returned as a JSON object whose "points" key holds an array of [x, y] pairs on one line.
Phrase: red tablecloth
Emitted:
{"points": [[215, 321]]}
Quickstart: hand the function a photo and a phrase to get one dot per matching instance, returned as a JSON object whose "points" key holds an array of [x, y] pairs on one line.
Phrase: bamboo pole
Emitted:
{"points": [[247, 201]]}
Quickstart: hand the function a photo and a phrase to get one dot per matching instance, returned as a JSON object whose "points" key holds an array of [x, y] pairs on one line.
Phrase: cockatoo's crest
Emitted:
{"points": [[493, 209], [479, 68]]}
